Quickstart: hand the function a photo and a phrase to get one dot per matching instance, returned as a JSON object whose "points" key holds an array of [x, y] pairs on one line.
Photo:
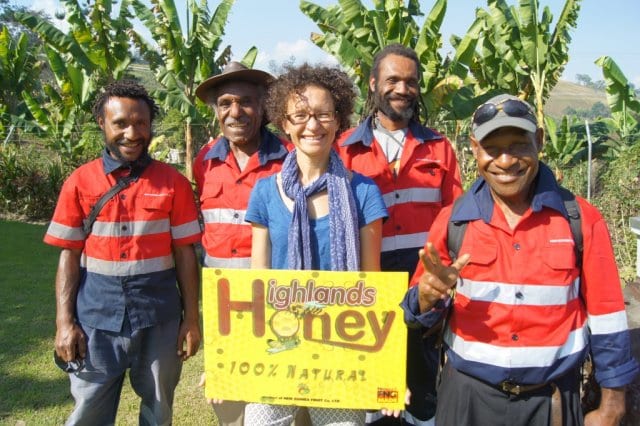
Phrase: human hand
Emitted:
{"points": [[611, 408], [203, 381], [437, 281], [188, 339], [70, 343], [396, 413]]}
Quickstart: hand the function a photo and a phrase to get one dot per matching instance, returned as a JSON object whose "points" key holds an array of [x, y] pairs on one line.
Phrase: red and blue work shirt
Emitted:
{"points": [[428, 178], [127, 265], [224, 192], [524, 311]]}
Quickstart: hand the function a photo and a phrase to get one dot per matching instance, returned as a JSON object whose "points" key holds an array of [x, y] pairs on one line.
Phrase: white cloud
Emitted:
{"points": [[298, 51]]}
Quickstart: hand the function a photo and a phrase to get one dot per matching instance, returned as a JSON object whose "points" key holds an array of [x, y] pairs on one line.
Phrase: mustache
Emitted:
{"points": [[396, 97]]}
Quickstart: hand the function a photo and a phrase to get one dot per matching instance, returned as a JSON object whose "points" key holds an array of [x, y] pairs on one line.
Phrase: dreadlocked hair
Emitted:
{"points": [[391, 49]]}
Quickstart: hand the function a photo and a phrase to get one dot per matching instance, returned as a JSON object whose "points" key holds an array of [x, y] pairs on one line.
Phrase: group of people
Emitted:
{"points": [[519, 305]]}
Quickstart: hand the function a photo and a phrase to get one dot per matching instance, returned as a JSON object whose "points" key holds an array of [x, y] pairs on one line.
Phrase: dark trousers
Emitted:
{"points": [[465, 400]]}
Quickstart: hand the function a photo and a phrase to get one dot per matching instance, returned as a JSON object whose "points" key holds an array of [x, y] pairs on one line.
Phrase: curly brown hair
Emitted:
{"points": [[295, 79]]}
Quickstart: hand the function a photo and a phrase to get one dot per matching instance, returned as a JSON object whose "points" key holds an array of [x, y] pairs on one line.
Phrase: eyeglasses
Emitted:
{"points": [[302, 117], [511, 107], [68, 366]]}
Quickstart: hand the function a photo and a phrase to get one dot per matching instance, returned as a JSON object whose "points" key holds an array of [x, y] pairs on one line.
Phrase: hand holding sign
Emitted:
{"points": [[438, 279]]}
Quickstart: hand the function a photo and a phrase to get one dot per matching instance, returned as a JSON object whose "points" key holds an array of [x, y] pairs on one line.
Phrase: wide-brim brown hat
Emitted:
{"points": [[234, 71]]}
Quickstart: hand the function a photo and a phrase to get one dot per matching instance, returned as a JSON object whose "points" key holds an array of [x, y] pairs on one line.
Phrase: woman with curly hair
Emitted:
{"points": [[314, 214]]}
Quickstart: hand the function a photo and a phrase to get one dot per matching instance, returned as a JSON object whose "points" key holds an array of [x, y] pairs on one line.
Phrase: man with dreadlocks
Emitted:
{"points": [[417, 172]]}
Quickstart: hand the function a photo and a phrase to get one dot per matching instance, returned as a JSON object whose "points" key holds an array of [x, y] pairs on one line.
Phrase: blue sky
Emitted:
{"points": [[279, 30]]}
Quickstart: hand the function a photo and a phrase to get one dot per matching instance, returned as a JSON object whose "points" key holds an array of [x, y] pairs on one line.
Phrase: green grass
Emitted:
{"points": [[32, 389]]}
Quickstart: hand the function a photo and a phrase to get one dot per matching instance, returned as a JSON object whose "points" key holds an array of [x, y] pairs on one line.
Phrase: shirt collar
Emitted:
{"points": [[271, 148], [479, 204], [110, 164], [364, 133]]}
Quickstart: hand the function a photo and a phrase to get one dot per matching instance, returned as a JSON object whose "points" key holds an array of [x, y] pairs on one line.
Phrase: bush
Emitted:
{"points": [[30, 181], [615, 189]]}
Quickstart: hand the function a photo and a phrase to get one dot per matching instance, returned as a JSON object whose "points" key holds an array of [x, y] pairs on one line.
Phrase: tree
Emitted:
{"points": [[94, 51], [96, 43], [19, 72], [353, 35], [624, 104], [519, 52], [563, 146], [183, 59], [584, 79]]}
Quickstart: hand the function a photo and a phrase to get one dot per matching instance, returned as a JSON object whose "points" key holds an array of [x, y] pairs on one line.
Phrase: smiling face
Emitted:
{"points": [[396, 88], [507, 159], [240, 113], [126, 124], [313, 138]]}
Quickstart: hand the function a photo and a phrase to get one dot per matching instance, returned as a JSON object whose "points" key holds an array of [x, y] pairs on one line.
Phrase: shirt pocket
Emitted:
{"points": [[87, 202], [211, 189], [482, 253], [156, 204], [559, 256]]}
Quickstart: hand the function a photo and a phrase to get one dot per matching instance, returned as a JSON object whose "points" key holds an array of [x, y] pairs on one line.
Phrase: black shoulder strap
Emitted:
{"points": [[122, 183], [455, 231], [575, 222]]}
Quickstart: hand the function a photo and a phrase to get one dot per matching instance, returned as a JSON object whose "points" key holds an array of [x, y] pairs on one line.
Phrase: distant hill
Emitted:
{"points": [[567, 94]]}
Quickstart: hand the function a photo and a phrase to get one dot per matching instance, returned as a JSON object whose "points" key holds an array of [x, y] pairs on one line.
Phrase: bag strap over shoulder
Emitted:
{"points": [[455, 231], [122, 183]]}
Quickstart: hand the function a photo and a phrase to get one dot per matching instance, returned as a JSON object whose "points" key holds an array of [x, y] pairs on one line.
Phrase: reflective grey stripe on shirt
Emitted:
{"points": [[412, 195], [227, 262], [231, 216], [65, 232], [129, 229], [185, 230], [127, 268], [405, 241]]}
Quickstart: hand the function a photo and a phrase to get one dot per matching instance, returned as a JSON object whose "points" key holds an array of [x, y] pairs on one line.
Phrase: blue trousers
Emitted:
{"points": [[150, 354]]}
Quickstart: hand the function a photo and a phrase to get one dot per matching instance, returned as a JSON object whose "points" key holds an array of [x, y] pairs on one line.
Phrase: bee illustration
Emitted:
{"points": [[285, 325]]}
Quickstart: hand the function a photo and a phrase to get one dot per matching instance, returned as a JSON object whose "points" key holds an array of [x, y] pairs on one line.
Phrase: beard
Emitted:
{"points": [[383, 104], [113, 148]]}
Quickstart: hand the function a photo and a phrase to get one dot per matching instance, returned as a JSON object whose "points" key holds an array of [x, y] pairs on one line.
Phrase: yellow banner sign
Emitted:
{"points": [[307, 338]]}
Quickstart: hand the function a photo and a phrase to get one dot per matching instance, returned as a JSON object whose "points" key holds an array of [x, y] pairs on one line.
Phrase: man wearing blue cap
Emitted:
{"points": [[534, 294]]}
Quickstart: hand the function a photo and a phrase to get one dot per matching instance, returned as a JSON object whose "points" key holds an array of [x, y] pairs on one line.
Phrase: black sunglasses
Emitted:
{"points": [[511, 107], [68, 366]]}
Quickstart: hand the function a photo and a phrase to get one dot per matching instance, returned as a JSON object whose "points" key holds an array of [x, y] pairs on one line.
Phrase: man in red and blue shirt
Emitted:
{"points": [[416, 170], [526, 310], [226, 170], [118, 306]]}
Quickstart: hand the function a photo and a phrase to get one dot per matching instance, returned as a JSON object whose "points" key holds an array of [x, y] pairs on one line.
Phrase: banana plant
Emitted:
{"points": [[19, 68], [65, 104], [184, 58], [519, 52], [563, 146], [624, 123], [353, 34], [93, 52], [19, 71], [96, 42]]}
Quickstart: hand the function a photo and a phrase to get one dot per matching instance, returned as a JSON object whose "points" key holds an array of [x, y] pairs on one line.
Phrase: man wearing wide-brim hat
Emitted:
{"points": [[227, 168], [536, 289]]}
